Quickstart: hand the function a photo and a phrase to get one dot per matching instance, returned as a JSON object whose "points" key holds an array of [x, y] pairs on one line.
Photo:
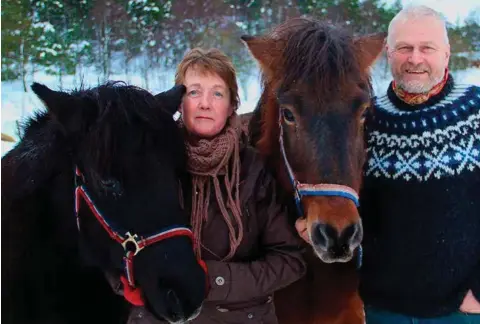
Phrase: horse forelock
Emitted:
{"points": [[317, 58], [118, 107]]}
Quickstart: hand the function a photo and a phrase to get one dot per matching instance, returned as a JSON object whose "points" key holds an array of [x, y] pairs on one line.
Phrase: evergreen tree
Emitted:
{"points": [[62, 36], [63, 40], [19, 39]]}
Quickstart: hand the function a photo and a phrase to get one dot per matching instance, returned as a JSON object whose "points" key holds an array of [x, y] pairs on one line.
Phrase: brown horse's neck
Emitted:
{"points": [[340, 277], [326, 294], [333, 288]]}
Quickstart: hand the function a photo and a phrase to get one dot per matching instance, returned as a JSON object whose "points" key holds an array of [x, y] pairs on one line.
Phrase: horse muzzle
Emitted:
{"points": [[333, 245]]}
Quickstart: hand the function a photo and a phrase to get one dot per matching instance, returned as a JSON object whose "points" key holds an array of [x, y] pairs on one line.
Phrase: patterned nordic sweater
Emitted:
{"points": [[420, 203]]}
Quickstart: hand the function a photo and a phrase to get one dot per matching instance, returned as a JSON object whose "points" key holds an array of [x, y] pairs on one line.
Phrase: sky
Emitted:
{"points": [[452, 9]]}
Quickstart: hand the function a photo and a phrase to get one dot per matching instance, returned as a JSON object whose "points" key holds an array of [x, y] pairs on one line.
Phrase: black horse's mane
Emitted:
{"points": [[103, 114]]}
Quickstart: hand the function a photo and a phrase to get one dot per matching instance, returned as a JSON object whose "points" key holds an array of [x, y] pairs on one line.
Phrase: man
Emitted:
{"points": [[420, 202]]}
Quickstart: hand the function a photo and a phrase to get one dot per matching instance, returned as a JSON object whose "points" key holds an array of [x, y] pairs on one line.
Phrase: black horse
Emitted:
{"points": [[94, 181]]}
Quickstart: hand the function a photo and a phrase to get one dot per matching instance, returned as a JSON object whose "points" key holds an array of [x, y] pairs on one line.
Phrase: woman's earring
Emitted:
{"points": [[177, 115]]}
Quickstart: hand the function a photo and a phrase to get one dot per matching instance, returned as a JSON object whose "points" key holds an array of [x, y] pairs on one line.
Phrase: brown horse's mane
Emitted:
{"points": [[309, 54]]}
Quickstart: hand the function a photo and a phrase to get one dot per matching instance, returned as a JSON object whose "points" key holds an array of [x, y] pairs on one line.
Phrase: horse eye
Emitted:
{"points": [[112, 186], [288, 115]]}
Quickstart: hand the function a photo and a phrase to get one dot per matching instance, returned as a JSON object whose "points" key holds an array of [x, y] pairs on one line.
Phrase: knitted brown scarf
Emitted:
{"points": [[207, 159]]}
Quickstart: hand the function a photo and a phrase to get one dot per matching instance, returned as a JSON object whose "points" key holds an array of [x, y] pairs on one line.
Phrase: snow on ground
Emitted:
{"points": [[18, 105]]}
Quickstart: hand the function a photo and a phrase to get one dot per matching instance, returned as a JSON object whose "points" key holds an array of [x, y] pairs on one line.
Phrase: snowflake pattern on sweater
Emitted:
{"points": [[435, 142]]}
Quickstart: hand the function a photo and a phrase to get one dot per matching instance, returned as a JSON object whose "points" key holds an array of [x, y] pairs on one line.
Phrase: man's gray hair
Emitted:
{"points": [[416, 12]]}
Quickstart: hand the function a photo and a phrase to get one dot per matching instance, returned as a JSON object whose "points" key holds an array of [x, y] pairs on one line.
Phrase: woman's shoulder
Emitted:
{"points": [[255, 176], [252, 161]]}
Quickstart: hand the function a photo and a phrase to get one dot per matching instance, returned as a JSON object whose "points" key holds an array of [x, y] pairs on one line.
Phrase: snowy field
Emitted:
{"points": [[18, 105]]}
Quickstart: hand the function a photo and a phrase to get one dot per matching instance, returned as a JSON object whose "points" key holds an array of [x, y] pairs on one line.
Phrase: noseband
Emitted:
{"points": [[132, 244]]}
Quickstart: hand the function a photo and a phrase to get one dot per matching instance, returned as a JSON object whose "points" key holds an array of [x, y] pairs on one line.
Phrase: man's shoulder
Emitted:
{"points": [[378, 99], [473, 87], [465, 85], [381, 100], [381, 96], [460, 85], [464, 93]]}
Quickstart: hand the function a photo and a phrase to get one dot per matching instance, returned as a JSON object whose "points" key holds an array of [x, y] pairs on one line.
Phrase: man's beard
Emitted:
{"points": [[416, 86]]}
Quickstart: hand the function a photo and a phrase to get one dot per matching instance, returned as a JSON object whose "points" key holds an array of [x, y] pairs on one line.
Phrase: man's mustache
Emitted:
{"points": [[420, 68]]}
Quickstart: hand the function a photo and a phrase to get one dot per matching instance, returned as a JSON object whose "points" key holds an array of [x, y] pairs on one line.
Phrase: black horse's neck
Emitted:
{"points": [[45, 273]]}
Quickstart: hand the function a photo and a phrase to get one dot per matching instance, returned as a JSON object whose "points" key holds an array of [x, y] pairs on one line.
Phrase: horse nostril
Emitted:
{"points": [[323, 235], [352, 235], [174, 308], [338, 244]]}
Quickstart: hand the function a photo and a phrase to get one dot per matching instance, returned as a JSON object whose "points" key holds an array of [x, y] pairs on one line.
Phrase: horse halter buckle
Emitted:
{"points": [[132, 239]]}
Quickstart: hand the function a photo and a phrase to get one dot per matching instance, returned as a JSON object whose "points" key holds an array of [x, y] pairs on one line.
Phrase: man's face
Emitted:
{"points": [[418, 54]]}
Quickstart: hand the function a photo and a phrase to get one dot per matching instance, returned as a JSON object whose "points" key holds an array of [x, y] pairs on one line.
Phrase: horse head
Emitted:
{"points": [[126, 159], [316, 94]]}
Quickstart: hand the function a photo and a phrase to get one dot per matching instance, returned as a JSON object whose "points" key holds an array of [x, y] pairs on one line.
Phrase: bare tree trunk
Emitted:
{"points": [[23, 72], [244, 84], [104, 50], [32, 70], [105, 54], [60, 76], [126, 59], [145, 71], [23, 68]]}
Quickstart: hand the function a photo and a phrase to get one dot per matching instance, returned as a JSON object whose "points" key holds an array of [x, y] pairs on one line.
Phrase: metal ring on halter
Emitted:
{"points": [[132, 239]]}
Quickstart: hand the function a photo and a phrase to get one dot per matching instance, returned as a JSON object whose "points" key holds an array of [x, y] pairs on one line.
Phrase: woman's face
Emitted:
{"points": [[206, 104]]}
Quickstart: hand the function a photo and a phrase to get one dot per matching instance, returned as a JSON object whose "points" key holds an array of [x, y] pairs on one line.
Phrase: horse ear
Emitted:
{"points": [[171, 99], [60, 105], [263, 50], [369, 48], [50, 98]]}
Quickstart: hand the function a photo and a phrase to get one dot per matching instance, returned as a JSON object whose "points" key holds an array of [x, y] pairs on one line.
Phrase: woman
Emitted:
{"points": [[240, 229]]}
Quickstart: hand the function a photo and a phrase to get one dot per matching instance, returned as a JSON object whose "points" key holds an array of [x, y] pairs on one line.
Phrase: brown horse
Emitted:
{"points": [[309, 125]]}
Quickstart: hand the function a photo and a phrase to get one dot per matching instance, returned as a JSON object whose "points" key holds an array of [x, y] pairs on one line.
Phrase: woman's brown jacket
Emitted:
{"points": [[268, 259]]}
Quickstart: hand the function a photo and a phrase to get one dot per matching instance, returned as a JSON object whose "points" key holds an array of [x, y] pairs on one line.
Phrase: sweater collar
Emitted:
{"points": [[410, 102]]}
